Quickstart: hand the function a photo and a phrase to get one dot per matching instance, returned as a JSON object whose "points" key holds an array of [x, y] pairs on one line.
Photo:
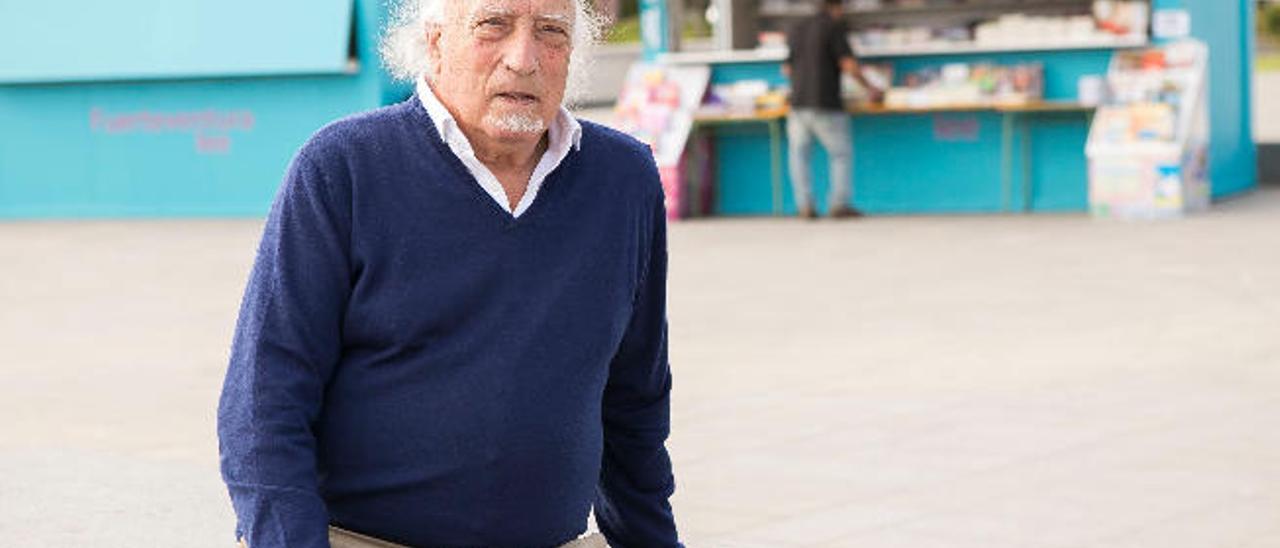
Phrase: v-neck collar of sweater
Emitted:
{"points": [[564, 135], [423, 120]]}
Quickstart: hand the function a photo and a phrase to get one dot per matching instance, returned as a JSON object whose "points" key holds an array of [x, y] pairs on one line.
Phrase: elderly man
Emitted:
{"points": [[454, 333]]}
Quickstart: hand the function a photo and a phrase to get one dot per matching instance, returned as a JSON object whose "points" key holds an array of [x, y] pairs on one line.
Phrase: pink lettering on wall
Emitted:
{"points": [[956, 128], [213, 144], [211, 129]]}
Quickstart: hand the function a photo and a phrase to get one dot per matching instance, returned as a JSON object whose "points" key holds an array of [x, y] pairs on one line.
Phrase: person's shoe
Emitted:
{"points": [[844, 212], [807, 213]]}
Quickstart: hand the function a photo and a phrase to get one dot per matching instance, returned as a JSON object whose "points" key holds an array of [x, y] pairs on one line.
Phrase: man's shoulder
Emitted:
{"points": [[603, 141], [801, 25], [629, 162], [370, 127], [830, 26]]}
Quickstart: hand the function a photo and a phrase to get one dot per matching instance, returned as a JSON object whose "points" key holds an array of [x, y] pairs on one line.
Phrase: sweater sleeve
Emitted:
{"points": [[632, 507], [287, 342]]}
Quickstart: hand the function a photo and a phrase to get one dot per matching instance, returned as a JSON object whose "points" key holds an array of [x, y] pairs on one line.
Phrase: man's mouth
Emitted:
{"points": [[518, 97]]}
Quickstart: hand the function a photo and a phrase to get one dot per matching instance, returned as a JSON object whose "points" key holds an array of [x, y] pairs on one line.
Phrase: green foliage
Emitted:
{"points": [[625, 31], [1269, 62], [695, 26], [628, 8], [1269, 20]]}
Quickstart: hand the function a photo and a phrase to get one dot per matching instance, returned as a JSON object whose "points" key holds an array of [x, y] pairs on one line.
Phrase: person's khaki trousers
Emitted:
{"points": [[342, 538]]}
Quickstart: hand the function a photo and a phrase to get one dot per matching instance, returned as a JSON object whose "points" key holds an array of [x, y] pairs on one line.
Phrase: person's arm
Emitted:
{"points": [[848, 62], [787, 63], [632, 500], [850, 67], [287, 342]]}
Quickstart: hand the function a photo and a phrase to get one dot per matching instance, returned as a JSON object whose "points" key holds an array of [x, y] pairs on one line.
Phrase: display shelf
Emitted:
{"points": [[933, 8], [720, 116], [777, 54], [1009, 107], [1148, 147], [959, 48], [758, 55]]}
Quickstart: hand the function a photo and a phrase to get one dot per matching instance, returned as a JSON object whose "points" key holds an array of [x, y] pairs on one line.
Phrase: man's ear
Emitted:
{"points": [[434, 31]]}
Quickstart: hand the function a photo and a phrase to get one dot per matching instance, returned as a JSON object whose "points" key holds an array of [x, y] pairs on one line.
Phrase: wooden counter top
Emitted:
{"points": [[765, 115]]}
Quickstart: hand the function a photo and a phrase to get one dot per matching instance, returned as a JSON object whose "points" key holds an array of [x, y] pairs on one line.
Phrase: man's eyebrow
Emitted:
{"points": [[561, 18], [487, 12]]}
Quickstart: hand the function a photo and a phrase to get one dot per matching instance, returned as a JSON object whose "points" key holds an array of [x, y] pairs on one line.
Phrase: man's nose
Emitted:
{"points": [[521, 53]]}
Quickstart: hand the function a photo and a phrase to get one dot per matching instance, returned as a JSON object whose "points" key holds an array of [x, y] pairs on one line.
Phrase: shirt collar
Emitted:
{"points": [[565, 130]]}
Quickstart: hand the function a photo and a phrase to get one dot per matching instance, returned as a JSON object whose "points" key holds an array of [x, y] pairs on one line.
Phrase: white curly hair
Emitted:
{"points": [[404, 44]]}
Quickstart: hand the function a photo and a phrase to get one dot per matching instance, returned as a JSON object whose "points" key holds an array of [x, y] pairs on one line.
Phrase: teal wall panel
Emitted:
{"points": [[903, 165], [142, 149], [914, 164], [1228, 29], [1058, 175], [727, 73], [137, 39], [177, 147], [742, 174], [962, 173]]}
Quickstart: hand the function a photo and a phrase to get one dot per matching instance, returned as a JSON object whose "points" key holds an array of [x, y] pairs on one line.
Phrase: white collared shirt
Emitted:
{"points": [[565, 133]]}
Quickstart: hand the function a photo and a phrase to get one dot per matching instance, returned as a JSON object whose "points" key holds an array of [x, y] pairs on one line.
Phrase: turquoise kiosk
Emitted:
{"points": [[163, 108], [982, 161], [186, 108]]}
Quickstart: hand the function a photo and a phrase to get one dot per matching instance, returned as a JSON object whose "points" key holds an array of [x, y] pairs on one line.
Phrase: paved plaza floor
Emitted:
{"points": [[900, 382]]}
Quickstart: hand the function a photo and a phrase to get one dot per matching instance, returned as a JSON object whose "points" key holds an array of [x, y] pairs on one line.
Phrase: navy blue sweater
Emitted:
{"points": [[414, 363]]}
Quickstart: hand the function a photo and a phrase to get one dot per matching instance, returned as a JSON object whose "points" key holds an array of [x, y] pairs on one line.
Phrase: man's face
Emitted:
{"points": [[500, 66]]}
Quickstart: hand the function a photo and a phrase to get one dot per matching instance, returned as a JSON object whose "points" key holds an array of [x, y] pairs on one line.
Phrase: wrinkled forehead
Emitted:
{"points": [[469, 10]]}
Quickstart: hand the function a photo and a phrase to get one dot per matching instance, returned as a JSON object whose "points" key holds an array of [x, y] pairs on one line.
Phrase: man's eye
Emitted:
{"points": [[554, 35], [491, 24]]}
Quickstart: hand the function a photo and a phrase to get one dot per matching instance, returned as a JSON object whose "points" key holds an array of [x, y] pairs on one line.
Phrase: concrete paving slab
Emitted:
{"points": [[958, 381]]}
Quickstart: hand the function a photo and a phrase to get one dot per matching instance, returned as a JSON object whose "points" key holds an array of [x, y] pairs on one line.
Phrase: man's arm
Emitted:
{"points": [[792, 33], [840, 48], [849, 66], [632, 506], [287, 341]]}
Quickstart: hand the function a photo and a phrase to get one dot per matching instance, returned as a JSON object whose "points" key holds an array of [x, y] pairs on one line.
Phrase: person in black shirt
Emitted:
{"points": [[819, 52]]}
